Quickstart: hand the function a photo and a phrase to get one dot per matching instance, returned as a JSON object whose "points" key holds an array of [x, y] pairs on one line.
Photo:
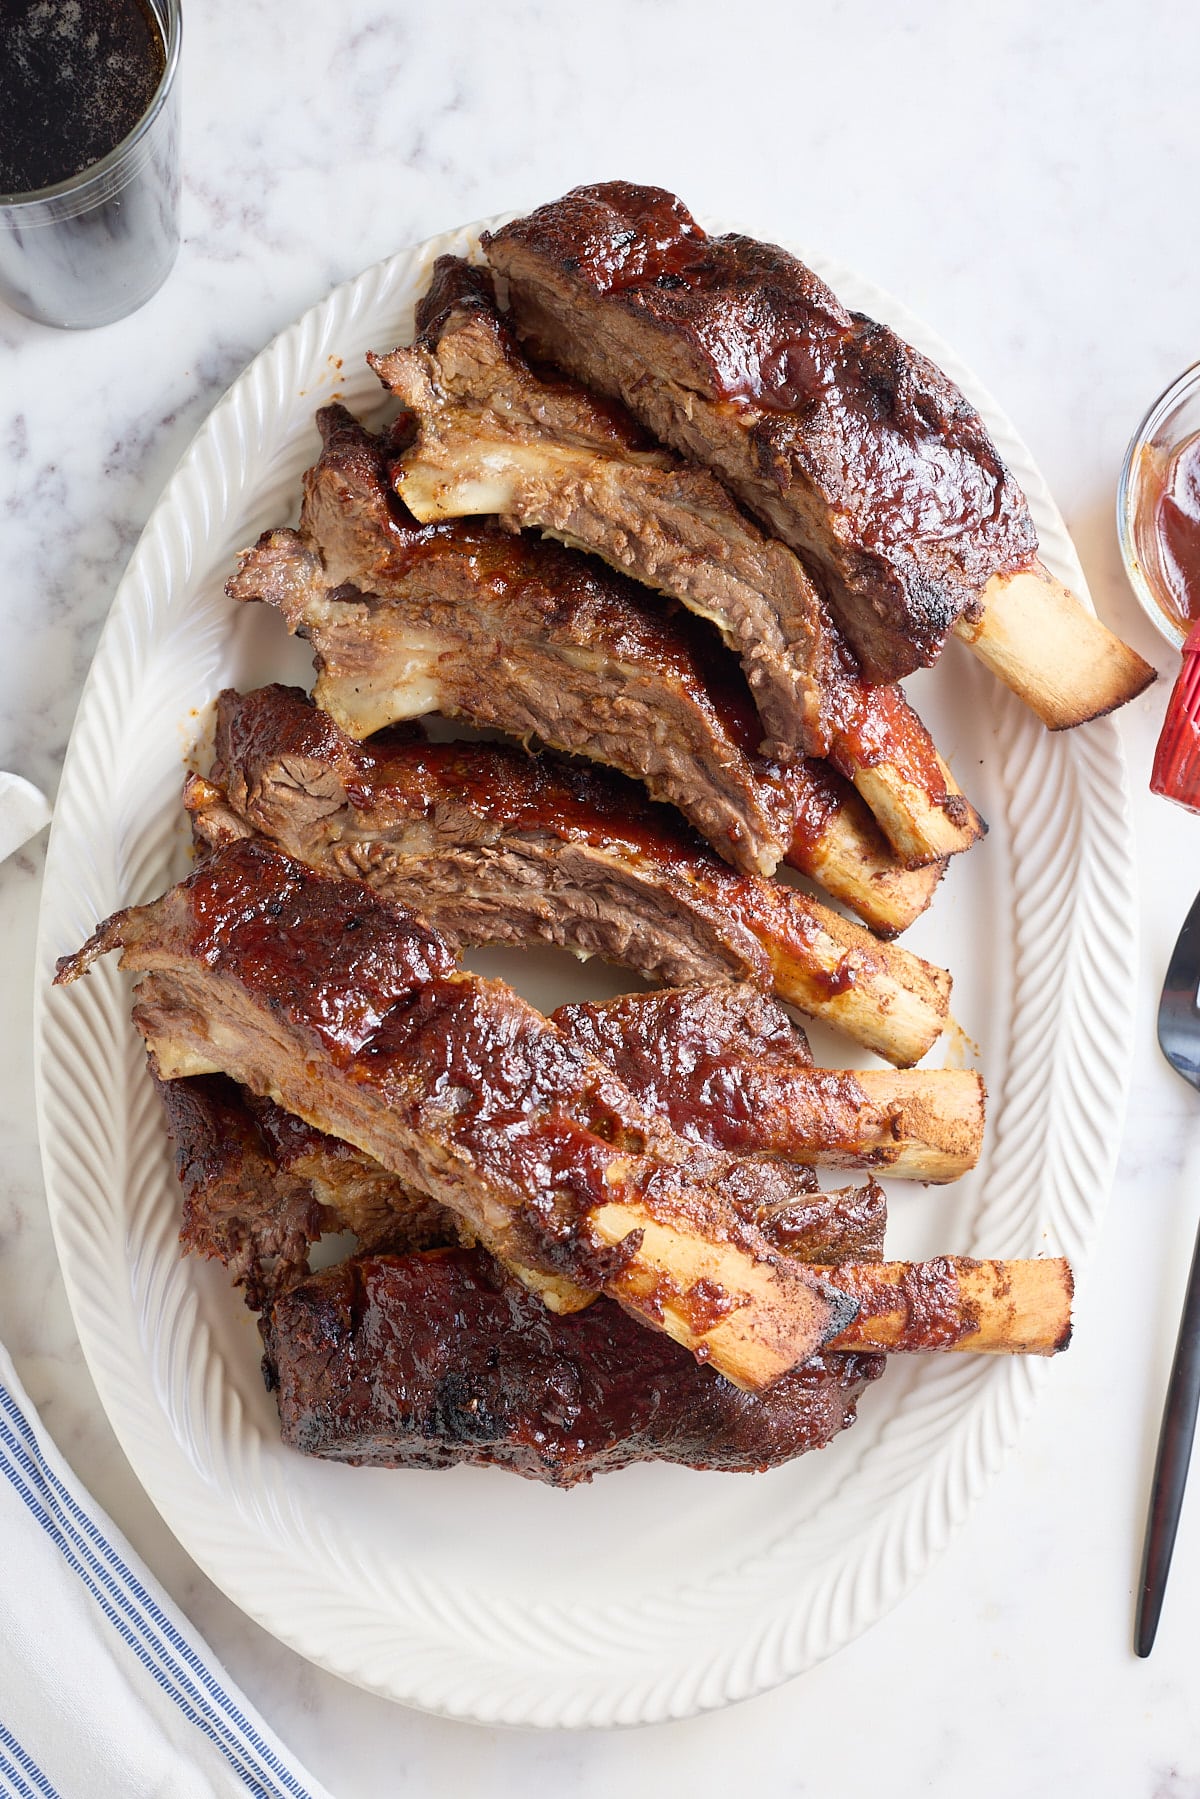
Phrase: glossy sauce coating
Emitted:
{"points": [[725, 1066], [433, 1071], [376, 987], [545, 794], [876, 724], [1169, 515], [924, 1309], [764, 331], [342, 960], [428, 1361]]}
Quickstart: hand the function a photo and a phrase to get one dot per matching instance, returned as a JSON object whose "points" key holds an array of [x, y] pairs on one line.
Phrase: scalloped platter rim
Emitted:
{"points": [[654, 1593]]}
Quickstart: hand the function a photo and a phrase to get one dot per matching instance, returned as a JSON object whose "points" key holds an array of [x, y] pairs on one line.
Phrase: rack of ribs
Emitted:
{"points": [[433, 1360], [496, 846], [489, 434], [352, 1014], [535, 640], [491, 437], [425, 1360], [722, 1064], [849, 445], [473, 623], [261, 1187]]}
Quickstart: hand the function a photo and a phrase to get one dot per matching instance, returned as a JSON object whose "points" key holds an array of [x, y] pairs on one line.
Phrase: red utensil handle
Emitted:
{"points": [[1176, 771]]}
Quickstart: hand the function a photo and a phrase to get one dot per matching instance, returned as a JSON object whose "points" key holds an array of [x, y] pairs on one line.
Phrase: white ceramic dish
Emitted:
{"points": [[656, 1592]]}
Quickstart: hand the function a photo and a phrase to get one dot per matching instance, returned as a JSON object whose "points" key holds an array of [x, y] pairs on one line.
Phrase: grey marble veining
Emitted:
{"points": [[1025, 179]]}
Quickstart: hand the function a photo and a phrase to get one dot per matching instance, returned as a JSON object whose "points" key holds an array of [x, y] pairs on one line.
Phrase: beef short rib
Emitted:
{"points": [[500, 847], [509, 632], [849, 445], [353, 1015], [261, 1187], [492, 435], [436, 1360]]}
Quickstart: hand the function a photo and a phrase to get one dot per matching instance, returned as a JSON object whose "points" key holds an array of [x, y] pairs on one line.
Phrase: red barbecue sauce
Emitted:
{"points": [[1170, 518], [1174, 519]]}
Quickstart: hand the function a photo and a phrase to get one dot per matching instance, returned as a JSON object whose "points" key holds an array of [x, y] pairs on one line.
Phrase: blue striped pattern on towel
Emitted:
{"points": [[20, 1774], [136, 1616]]}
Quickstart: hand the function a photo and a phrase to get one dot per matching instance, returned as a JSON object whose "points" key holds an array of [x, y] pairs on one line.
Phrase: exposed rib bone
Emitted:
{"points": [[995, 1308], [1033, 633], [352, 1015]]}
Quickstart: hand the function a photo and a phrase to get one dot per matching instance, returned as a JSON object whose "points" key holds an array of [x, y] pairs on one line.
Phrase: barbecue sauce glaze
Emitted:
{"points": [[454, 1059], [396, 1362], [563, 797], [763, 331]]}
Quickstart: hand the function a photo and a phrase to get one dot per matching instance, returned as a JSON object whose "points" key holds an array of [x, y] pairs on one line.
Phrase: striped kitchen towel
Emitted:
{"points": [[105, 1690]]}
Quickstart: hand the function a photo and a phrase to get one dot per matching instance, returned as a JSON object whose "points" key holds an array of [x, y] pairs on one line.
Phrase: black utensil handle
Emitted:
{"points": [[1171, 1464]]}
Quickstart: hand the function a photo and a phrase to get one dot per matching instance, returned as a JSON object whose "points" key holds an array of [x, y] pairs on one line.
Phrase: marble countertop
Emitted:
{"points": [[1025, 179]]}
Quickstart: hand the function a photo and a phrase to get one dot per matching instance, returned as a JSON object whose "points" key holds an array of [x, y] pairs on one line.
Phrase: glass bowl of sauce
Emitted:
{"points": [[1158, 509]]}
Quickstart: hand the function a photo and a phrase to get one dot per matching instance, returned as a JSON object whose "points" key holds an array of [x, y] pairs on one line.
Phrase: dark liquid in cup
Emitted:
{"points": [[76, 78]]}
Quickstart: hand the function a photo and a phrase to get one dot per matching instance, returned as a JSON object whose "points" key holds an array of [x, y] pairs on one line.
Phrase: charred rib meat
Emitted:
{"points": [[491, 435], [526, 637], [436, 1360]]}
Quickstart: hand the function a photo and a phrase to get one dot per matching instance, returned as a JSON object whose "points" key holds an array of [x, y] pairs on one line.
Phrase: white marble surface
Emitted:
{"points": [[1025, 179]]}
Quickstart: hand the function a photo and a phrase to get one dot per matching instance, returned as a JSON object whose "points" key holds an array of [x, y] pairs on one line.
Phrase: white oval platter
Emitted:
{"points": [[656, 1592]]}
